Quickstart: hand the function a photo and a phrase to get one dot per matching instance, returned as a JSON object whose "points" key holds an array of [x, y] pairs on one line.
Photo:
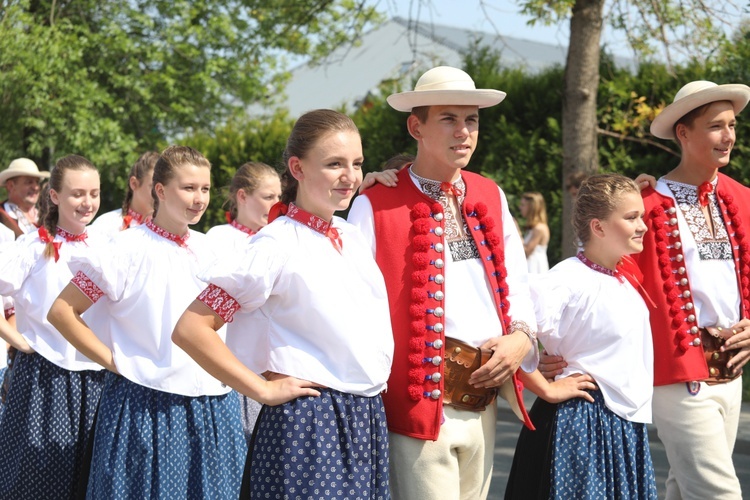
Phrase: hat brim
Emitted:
{"points": [[663, 125], [482, 98], [5, 175]]}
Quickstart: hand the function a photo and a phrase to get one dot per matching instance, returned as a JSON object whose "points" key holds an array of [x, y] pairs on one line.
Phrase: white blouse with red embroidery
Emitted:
{"points": [[297, 306], [143, 282], [34, 282], [599, 323], [227, 239]]}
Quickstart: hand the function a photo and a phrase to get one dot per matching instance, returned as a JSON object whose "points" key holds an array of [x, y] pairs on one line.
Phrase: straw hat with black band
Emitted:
{"points": [[694, 95]]}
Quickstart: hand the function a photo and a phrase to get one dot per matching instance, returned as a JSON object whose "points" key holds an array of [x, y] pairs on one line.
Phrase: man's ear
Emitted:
{"points": [[413, 125]]}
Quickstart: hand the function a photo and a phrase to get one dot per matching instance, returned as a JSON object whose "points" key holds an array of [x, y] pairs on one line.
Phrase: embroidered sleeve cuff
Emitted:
{"points": [[87, 286], [10, 312], [220, 302], [523, 327]]}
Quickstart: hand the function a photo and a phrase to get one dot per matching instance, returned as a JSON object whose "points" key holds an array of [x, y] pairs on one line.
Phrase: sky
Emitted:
{"points": [[495, 16]]}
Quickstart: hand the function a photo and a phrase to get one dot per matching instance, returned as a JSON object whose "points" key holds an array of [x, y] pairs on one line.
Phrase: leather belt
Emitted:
{"points": [[712, 340], [461, 360]]}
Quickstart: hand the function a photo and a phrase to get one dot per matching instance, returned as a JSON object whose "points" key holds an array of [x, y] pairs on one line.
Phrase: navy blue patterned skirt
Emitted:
{"points": [[332, 446], [154, 444], [46, 427], [597, 454]]}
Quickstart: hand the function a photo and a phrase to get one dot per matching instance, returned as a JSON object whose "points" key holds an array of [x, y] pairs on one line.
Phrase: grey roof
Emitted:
{"points": [[400, 49]]}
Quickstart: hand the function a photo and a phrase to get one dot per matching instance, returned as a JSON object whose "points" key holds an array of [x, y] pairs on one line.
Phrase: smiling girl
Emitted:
{"points": [[594, 444], [165, 428], [309, 308], [51, 403]]}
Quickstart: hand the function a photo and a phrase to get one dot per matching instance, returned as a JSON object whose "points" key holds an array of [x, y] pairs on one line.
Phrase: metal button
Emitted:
{"points": [[675, 233], [689, 306], [686, 294], [694, 330], [437, 360], [691, 318], [439, 279], [438, 247], [671, 210], [438, 312], [439, 295], [681, 270], [438, 327], [435, 377], [683, 282], [672, 221], [696, 341], [439, 263], [437, 344], [678, 257], [438, 231], [678, 244], [715, 355], [435, 394], [456, 350], [713, 371], [438, 216]]}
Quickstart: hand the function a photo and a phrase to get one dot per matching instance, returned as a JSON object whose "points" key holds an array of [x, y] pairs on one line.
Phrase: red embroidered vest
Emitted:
{"points": [[678, 353], [410, 246]]}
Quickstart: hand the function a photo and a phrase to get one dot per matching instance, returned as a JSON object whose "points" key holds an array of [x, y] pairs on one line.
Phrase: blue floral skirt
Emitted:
{"points": [[332, 446], [46, 427], [599, 455], [154, 444]]}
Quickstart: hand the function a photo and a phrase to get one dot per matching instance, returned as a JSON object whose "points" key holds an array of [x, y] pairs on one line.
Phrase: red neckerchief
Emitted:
{"points": [[626, 269], [242, 228], [47, 239], [316, 224], [180, 240], [449, 188], [703, 191], [228, 216], [131, 216]]}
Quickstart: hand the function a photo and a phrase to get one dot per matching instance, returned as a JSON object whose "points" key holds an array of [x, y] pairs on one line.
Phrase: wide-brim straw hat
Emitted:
{"points": [[445, 86], [19, 167], [694, 95]]}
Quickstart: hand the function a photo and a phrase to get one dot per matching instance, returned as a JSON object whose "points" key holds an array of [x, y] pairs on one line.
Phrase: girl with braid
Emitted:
{"points": [[51, 403], [138, 205], [165, 428]]}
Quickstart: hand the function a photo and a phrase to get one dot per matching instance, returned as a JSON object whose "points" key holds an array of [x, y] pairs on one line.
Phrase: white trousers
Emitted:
{"points": [[456, 466], [698, 433]]}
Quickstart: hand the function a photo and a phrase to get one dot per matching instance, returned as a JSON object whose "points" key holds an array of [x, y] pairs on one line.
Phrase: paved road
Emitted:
{"points": [[508, 427]]}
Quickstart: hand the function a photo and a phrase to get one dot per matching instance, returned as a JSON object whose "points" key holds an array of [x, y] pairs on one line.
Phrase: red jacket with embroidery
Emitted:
{"points": [[678, 353], [409, 233]]}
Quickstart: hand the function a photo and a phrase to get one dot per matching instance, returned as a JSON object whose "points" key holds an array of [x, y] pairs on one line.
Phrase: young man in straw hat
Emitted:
{"points": [[696, 265], [21, 180], [456, 276]]}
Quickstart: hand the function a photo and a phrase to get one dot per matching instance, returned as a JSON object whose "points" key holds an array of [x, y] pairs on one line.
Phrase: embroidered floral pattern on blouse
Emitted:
{"points": [[596, 267], [242, 228], [710, 247], [461, 247], [180, 240], [88, 287], [220, 302], [68, 236]]}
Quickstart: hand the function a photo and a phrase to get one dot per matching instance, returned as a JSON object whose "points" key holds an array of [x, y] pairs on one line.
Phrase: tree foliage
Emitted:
{"points": [[109, 80]]}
